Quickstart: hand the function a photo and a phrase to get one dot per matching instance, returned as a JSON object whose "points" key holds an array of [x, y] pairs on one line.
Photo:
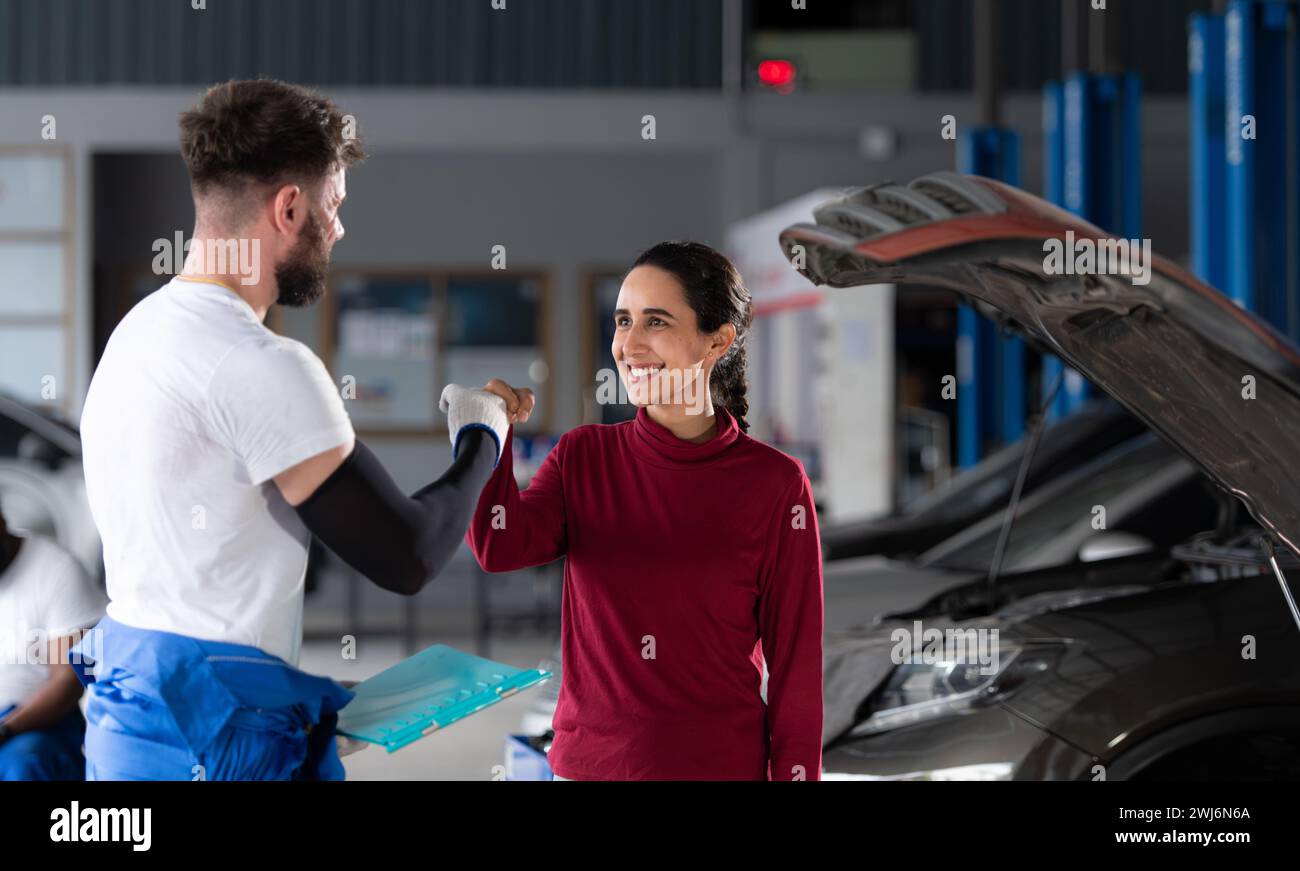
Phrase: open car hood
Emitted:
{"points": [[1173, 351]]}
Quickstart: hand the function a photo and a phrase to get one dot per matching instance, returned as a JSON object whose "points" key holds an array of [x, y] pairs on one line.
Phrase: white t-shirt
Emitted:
{"points": [[45, 594], [193, 408]]}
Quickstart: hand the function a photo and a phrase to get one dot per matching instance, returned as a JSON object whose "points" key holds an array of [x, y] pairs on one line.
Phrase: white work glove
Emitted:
{"points": [[474, 407]]}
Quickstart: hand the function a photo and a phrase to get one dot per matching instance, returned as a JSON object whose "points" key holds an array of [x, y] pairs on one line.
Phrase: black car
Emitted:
{"points": [[984, 488], [1173, 662], [1154, 500]]}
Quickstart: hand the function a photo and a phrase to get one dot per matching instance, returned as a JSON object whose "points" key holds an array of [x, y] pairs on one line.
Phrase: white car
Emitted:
{"points": [[41, 485]]}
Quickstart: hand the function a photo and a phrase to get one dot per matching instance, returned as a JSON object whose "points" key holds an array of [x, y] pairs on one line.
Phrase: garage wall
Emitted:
{"points": [[566, 177], [565, 214]]}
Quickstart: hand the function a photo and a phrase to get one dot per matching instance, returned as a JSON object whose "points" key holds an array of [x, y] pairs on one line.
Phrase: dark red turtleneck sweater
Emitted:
{"points": [[686, 566]]}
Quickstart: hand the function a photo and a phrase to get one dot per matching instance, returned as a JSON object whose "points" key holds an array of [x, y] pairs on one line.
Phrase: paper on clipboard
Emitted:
{"points": [[428, 692]]}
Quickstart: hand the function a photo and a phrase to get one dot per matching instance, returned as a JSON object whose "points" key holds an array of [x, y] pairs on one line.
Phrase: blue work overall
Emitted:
{"points": [[163, 706]]}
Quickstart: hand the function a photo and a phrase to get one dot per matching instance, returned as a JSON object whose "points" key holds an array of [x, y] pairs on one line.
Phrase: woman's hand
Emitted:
{"points": [[519, 401]]}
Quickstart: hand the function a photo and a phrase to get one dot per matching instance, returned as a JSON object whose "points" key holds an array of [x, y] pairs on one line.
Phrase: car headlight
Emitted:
{"points": [[920, 692]]}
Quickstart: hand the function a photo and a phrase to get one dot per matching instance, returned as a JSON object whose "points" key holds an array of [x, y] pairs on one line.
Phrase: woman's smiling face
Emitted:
{"points": [[660, 353]]}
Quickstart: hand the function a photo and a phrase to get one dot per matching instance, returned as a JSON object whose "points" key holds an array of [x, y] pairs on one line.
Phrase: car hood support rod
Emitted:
{"points": [[1267, 544]]}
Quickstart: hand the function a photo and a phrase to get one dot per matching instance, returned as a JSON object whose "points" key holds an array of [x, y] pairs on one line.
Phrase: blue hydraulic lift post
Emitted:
{"points": [[1207, 94], [1239, 72], [1092, 169], [1262, 82], [1092, 151], [1054, 163], [970, 342], [990, 367], [994, 152]]}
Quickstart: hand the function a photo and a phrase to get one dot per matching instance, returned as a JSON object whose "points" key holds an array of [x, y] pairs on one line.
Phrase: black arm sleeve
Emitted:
{"points": [[399, 542]]}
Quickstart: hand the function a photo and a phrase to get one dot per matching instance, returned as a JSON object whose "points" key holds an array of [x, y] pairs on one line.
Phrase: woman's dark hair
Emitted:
{"points": [[716, 293]]}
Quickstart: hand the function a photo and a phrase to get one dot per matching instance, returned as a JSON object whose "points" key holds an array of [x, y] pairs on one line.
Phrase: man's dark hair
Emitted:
{"points": [[264, 131]]}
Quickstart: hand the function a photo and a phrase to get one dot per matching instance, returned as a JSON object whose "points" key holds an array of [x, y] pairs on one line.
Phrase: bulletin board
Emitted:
{"points": [[600, 295], [382, 349], [395, 339]]}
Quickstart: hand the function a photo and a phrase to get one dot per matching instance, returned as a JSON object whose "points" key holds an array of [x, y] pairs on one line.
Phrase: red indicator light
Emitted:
{"points": [[778, 74]]}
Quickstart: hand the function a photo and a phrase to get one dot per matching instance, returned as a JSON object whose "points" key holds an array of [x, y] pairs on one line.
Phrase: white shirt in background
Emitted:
{"points": [[45, 594]]}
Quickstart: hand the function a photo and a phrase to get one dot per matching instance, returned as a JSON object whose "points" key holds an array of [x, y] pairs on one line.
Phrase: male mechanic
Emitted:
{"points": [[214, 449]]}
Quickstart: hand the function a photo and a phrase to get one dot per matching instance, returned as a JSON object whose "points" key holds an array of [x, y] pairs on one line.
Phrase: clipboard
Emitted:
{"points": [[427, 692]]}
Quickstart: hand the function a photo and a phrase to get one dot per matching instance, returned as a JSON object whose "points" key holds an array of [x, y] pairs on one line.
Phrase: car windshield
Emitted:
{"points": [[1064, 445], [1050, 513]]}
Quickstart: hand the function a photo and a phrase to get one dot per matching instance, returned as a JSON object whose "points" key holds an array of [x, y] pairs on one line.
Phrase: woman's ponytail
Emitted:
{"points": [[729, 384]]}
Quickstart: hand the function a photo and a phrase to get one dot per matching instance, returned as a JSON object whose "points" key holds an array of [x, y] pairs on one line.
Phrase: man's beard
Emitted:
{"points": [[300, 278]]}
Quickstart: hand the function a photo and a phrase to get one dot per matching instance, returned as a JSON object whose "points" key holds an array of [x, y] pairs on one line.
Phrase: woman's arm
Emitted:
{"points": [[513, 529], [790, 624]]}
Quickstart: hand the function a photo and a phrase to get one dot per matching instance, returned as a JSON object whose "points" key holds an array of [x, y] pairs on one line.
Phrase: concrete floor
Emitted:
{"points": [[472, 749]]}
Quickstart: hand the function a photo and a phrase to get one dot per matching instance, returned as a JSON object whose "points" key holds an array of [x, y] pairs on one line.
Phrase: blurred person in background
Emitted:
{"points": [[46, 600]]}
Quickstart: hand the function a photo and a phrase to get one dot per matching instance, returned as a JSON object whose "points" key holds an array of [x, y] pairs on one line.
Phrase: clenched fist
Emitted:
{"points": [[519, 400]]}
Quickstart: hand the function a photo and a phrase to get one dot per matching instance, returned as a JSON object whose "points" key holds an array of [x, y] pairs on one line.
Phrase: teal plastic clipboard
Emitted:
{"points": [[428, 692]]}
